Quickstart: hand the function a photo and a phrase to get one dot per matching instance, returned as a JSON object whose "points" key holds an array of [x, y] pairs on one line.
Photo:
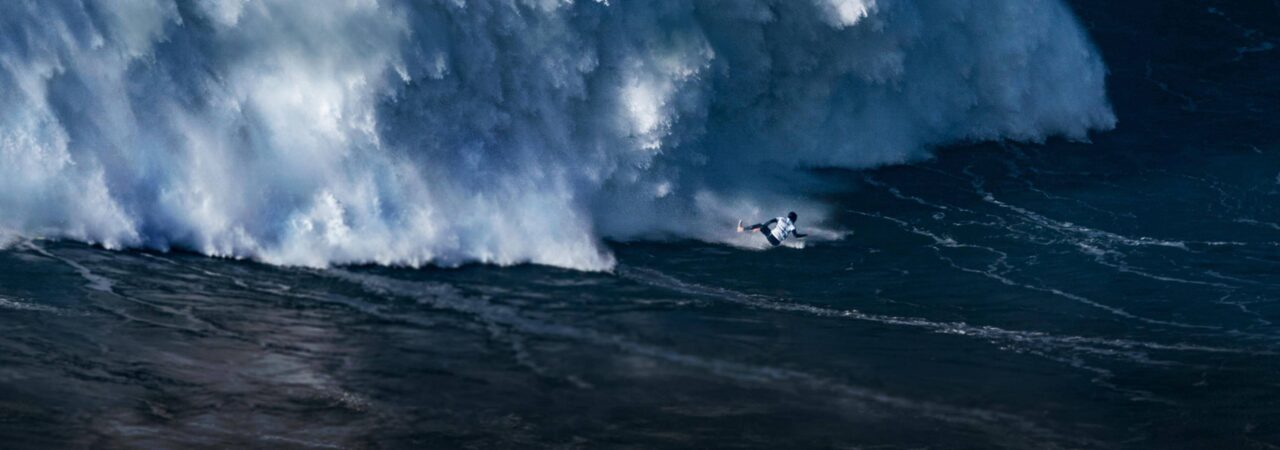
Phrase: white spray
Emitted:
{"points": [[502, 131]]}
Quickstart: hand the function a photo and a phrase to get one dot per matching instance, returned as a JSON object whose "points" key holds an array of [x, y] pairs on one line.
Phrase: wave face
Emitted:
{"points": [[503, 131]]}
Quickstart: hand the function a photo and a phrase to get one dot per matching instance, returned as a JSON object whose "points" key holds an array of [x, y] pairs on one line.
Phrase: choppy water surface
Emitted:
{"points": [[1114, 294], [984, 300]]}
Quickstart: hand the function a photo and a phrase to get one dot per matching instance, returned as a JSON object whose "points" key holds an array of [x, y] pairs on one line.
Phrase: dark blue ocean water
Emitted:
{"points": [[1119, 293]]}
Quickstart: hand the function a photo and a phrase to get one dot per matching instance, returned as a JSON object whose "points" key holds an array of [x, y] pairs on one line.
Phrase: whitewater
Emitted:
{"points": [[315, 133]]}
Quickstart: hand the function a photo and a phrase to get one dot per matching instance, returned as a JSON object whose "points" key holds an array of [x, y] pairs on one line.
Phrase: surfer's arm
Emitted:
{"points": [[799, 235]]}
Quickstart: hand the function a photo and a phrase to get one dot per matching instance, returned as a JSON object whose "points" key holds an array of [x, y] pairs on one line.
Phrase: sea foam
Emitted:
{"points": [[502, 131]]}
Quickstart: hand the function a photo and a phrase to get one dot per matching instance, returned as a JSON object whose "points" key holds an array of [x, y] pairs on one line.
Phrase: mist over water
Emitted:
{"points": [[443, 132]]}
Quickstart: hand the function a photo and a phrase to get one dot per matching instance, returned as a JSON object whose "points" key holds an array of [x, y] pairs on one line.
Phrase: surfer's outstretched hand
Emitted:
{"points": [[739, 226]]}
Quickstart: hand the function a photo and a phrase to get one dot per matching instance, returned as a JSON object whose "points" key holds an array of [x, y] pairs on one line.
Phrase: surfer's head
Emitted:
{"points": [[792, 215]]}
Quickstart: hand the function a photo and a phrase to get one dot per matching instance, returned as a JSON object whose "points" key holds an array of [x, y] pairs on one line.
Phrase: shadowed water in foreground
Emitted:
{"points": [[998, 296]]}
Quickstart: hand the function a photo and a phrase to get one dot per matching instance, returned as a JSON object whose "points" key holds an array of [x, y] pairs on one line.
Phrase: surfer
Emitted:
{"points": [[777, 229]]}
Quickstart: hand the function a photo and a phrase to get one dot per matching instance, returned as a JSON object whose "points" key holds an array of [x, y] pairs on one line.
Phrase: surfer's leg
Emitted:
{"points": [[767, 235]]}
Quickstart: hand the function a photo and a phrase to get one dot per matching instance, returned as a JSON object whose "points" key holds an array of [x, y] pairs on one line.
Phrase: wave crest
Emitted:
{"points": [[396, 132]]}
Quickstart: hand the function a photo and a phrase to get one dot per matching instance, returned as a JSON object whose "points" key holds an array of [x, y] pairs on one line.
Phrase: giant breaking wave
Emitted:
{"points": [[505, 131]]}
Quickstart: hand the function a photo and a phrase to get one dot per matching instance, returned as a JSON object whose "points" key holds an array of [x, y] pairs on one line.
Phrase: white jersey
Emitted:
{"points": [[783, 229]]}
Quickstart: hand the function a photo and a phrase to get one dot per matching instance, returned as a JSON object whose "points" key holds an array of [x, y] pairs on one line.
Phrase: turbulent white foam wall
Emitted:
{"points": [[503, 131]]}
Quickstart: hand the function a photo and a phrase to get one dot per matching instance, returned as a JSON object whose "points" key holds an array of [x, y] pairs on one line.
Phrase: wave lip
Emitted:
{"points": [[506, 132]]}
